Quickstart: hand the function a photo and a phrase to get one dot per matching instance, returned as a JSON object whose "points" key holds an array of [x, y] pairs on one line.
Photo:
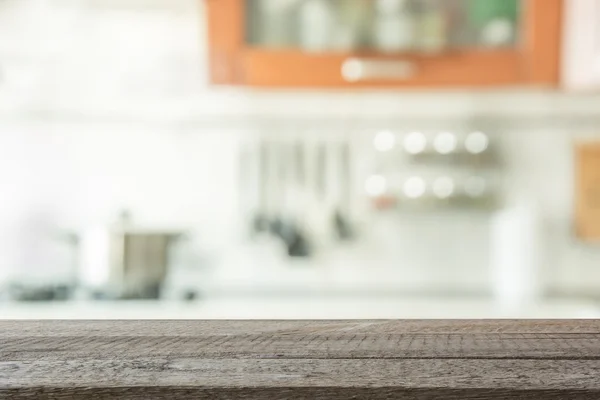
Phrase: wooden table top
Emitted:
{"points": [[411, 359]]}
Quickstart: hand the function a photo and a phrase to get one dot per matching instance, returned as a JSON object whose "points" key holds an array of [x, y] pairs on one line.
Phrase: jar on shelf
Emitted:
{"points": [[394, 29], [432, 26], [317, 25]]}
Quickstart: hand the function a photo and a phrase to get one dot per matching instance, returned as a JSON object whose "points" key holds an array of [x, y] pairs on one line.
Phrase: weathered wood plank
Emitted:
{"points": [[300, 359], [236, 373], [170, 328], [314, 346], [302, 393]]}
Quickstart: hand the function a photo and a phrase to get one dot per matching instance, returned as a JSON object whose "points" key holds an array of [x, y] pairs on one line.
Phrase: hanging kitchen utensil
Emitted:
{"points": [[260, 221], [296, 188], [277, 190], [320, 212], [298, 243], [341, 217], [285, 225]]}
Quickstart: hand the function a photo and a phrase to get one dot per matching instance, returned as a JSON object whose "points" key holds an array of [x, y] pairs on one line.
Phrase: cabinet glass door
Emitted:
{"points": [[385, 26]]}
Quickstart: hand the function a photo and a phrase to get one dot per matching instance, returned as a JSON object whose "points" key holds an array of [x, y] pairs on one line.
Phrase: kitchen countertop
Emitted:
{"points": [[384, 359], [299, 307]]}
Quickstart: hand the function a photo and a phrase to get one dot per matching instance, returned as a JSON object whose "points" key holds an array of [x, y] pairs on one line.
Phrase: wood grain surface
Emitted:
{"points": [[436, 359]]}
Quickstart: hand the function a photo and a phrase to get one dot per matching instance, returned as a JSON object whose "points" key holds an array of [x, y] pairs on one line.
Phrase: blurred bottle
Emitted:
{"points": [[494, 21], [353, 24], [394, 26], [273, 22], [458, 31], [317, 25], [432, 32]]}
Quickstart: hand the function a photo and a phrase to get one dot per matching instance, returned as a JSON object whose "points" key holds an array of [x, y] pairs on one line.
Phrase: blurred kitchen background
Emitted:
{"points": [[299, 158]]}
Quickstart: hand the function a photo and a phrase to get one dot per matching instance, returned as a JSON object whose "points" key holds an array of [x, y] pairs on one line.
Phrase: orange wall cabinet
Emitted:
{"points": [[384, 43]]}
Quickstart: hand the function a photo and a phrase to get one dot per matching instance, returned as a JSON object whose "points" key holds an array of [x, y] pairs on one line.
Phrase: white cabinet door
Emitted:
{"points": [[581, 46]]}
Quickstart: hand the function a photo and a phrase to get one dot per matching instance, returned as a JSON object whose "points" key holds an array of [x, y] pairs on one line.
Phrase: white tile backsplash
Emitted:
{"points": [[80, 174]]}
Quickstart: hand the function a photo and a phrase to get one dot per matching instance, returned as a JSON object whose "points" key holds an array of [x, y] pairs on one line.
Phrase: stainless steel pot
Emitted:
{"points": [[124, 263]]}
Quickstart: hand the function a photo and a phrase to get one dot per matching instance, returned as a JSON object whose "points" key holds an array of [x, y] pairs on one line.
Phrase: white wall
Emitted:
{"points": [[85, 132], [541, 165], [73, 176]]}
